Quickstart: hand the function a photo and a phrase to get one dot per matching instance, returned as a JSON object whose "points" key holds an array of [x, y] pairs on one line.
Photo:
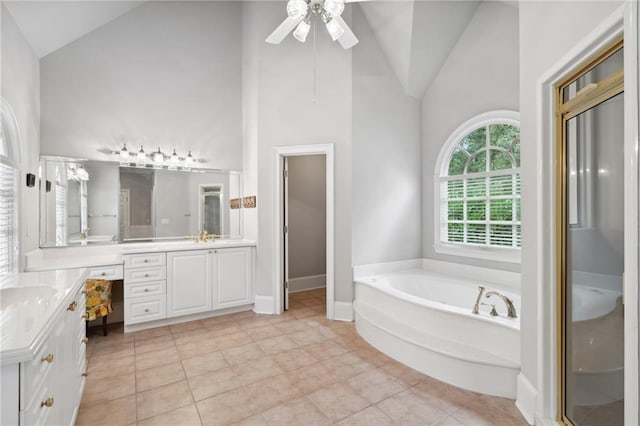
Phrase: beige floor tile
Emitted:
{"points": [[154, 344], [372, 356], [226, 408], [347, 365], [449, 421], [288, 327], [190, 336], [370, 416], [156, 358], [183, 416], [112, 413], [152, 332], [241, 354], [195, 348], [264, 332], [478, 413], [299, 411], [121, 352], [294, 359], [307, 337], [166, 398], [223, 329], [159, 376], [375, 385], [259, 369], [338, 401], [402, 373], [326, 350], [214, 383], [115, 367], [238, 338], [256, 420], [310, 378], [505, 404], [407, 407], [118, 349], [206, 363], [185, 326], [100, 390], [274, 345], [444, 396], [272, 391]]}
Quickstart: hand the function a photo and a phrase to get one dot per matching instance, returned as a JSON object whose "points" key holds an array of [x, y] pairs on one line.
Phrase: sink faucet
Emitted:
{"points": [[511, 310], [476, 307]]}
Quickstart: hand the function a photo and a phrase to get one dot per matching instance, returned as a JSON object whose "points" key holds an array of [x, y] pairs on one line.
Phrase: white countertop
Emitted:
{"points": [[47, 259], [29, 304]]}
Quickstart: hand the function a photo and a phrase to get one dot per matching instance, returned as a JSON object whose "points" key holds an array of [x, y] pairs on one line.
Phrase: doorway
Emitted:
{"points": [[304, 233], [591, 240], [281, 259]]}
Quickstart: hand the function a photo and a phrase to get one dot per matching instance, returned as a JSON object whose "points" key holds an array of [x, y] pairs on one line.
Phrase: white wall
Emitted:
{"points": [[20, 86], [164, 74], [480, 75], [547, 31], [386, 169], [281, 112], [307, 216]]}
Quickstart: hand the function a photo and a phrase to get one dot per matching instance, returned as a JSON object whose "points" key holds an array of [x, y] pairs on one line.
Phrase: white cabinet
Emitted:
{"points": [[47, 389], [232, 277], [189, 289], [145, 288]]}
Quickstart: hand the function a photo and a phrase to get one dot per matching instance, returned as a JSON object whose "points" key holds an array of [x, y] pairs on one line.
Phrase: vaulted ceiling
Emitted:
{"points": [[416, 36]]}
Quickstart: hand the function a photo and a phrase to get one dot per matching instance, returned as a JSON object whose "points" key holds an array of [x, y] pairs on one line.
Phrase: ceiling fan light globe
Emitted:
{"points": [[334, 29], [301, 32], [297, 8], [334, 7]]}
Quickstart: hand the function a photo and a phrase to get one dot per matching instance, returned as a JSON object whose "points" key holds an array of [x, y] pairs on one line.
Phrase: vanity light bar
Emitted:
{"points": [[156, 159]]}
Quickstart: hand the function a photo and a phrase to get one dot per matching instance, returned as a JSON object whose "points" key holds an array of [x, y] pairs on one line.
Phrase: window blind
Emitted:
{"points": [[8, 220]]}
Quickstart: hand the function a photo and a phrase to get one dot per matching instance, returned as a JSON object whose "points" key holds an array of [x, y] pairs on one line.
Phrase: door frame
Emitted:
{"points": [[279, 153], [540, 405]]}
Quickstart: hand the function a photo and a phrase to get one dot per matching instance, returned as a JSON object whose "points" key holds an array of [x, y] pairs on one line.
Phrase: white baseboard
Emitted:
{"points": [[343, 311], [526, 399], [307, 283], [263, 305]]}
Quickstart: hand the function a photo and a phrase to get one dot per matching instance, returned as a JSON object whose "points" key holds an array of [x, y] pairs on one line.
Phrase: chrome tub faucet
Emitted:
{"points": [[511, 310], [476, 307]]}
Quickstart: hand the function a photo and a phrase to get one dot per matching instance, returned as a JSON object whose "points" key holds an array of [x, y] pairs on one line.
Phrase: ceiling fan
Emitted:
{"points": [[300, 13]]}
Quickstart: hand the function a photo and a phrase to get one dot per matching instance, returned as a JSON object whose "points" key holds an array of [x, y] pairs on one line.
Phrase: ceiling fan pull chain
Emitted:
{"points": [[315, 78]]}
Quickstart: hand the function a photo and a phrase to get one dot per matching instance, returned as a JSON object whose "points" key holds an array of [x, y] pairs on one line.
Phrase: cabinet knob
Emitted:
{"points": [[146, 290], [48, 358], [104, 274], [85, 374], [146, 310], [85, 340], [215, 251], [146, 275], [72, 306], [85, 317], [146, 261], [47, 402]]}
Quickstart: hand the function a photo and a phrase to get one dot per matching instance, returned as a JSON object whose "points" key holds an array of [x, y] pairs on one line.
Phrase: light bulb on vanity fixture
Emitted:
{"points": [[188, 162], [124, 154], [175, 160], [142, 157], [158, 157]]}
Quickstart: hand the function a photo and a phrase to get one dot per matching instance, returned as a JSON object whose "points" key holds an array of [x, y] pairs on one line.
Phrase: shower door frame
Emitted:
{"points": [[604, 90]]}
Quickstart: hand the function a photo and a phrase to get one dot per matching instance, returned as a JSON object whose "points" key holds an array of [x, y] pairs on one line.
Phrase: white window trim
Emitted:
{"points": [[501, 254]]}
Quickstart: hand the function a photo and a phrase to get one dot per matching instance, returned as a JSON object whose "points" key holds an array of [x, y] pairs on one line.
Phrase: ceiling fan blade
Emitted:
{"points": [[348, 39], [283, 30]]}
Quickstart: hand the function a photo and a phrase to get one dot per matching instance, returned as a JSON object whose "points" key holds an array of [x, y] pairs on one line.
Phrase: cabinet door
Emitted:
{"points": [[188, 282], [232, 277]]}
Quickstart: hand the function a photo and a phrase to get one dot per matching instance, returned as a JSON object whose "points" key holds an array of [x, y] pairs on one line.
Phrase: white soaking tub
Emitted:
{"points": [[424, 320]]}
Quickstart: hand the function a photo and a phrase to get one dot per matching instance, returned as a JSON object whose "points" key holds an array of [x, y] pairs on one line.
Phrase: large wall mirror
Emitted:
{"points": [[104, 203]]}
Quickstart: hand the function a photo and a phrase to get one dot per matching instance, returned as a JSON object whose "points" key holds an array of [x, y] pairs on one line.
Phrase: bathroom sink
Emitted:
{"points": [[21, 296]]}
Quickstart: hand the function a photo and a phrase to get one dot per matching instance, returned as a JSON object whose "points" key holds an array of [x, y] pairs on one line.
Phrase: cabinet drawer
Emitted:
{"points": [[144, 260], [36, 413], [37, 370], [112, 272], [145, 275], [145, 309], [152, 288]]}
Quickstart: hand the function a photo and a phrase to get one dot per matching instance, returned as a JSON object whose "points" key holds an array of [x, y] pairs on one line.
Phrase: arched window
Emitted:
{"points": [[9, 163], [478, 189]]}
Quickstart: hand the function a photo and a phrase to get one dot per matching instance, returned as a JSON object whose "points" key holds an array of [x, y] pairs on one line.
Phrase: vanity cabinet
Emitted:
{"points": [[46, 390], [189, 285], [186, 282]]}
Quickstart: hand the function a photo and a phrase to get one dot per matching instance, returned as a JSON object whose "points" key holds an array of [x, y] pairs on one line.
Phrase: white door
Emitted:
{"points": [[285, 231], [232, 277], [188, 282]]}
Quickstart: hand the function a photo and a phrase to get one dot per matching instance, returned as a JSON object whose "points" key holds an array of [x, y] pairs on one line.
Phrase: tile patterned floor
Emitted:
{"points": [[249, 369]]}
